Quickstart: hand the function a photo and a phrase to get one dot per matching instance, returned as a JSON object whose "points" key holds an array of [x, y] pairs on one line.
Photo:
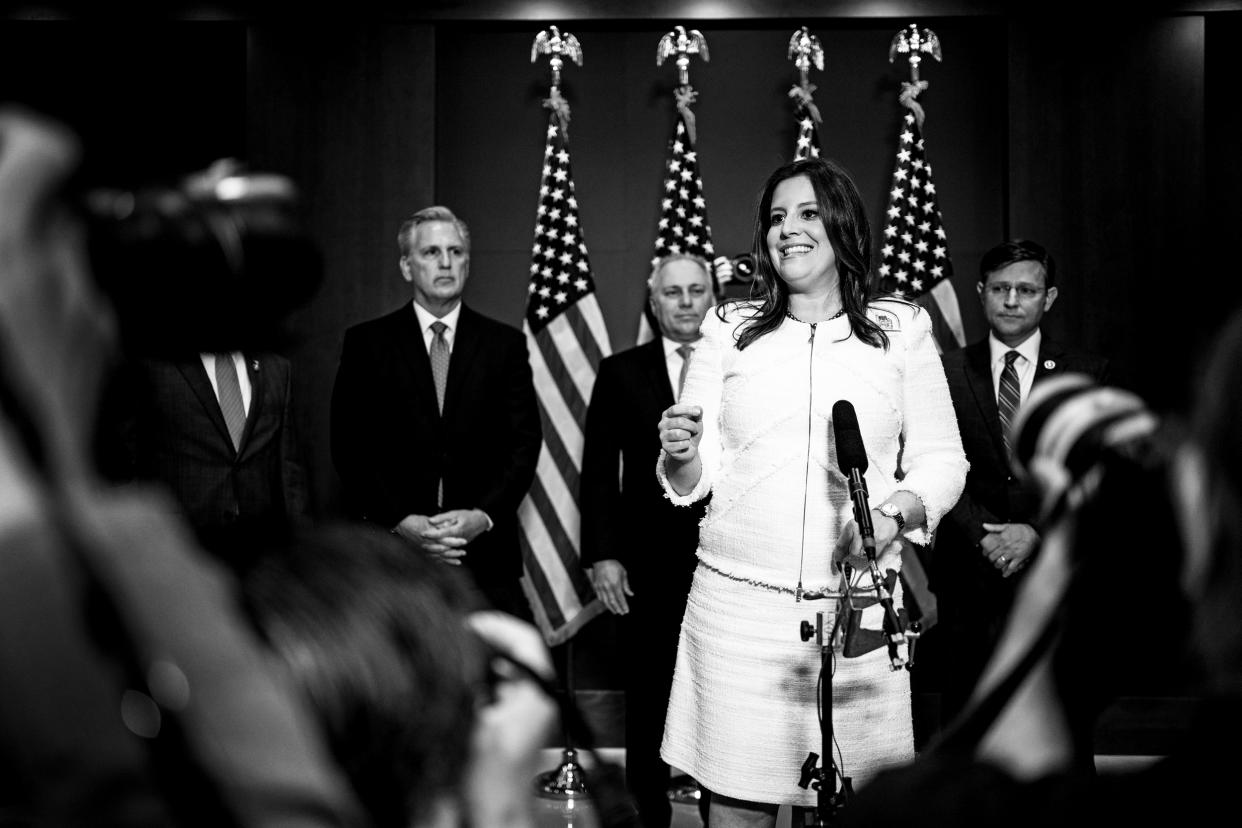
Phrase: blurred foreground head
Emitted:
{"points": [[1208, 489], [1099, 459], [56, 329], [377, 639]]}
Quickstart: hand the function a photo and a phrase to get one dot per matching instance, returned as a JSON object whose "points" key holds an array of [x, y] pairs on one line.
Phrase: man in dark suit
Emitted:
{"points": [[435, 427], [216, 431], [641, 548], [989, 537]]}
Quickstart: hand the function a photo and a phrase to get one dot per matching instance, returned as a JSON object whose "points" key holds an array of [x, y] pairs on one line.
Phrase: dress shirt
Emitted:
{"points": [[426, 319], [1024, 365], [243, 376]]}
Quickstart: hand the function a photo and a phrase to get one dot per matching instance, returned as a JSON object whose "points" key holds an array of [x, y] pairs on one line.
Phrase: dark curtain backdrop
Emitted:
{"points": [[348, 112]]}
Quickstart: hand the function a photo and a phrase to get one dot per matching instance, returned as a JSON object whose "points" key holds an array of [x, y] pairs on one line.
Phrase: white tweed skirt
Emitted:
{"points": [[743, 714]]}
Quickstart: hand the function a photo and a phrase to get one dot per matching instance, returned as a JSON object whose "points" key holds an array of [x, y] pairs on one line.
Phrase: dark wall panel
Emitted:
{"points": [[150, 100], [349, 113], [1107, 169]]}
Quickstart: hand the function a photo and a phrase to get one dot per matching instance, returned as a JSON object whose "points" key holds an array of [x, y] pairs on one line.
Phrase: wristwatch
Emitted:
{"points": [[889, 510]]}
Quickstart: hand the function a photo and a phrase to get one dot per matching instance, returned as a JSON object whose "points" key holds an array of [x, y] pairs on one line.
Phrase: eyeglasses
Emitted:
{"points": [[1000, 289]]}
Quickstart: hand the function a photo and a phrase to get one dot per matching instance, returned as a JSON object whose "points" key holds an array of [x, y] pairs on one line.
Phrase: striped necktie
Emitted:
{"points": [[1008, 396], [228, 387]]}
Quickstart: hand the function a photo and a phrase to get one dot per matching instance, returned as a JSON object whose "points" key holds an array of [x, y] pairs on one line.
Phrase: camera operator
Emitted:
{"points": [[134, 694], [208, 414]]}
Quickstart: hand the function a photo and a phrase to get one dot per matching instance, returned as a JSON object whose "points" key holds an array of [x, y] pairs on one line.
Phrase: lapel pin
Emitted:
{"points": [[254, 364], [1049, 364]]}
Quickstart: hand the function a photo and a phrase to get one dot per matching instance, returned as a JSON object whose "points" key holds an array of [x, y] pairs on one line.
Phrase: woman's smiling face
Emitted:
{"points": [[797, 239]]}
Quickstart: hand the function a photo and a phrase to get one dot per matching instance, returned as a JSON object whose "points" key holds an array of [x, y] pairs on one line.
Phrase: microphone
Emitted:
{"points": [[852, 460]]}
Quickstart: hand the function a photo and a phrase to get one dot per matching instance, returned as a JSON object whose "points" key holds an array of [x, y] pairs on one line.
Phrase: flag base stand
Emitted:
{"points": [[565, 782]]}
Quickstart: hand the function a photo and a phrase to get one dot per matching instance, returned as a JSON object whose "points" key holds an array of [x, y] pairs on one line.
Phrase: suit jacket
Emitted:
{"points": [[625, 515], [173, 432], [992, 492], [391, 444]]}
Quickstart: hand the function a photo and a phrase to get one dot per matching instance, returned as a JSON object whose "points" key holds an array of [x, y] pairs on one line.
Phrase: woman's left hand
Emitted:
{"points": [[849, 547]]}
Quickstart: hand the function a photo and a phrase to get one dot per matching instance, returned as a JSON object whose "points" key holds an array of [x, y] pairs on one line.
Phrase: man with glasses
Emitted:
{"points": [[989, 537]]}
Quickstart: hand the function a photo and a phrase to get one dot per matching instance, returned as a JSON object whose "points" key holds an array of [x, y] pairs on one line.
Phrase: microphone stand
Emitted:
{"points": [[829, 801], [893, 633]]}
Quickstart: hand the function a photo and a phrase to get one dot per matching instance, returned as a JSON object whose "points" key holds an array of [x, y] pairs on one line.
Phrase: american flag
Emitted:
{"points": [[566, 337], [683, 226], [808, 135], [914, 258]]}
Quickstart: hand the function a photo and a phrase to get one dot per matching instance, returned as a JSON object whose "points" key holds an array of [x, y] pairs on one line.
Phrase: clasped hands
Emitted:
{"points": [[444, 535], [1008, 546]]}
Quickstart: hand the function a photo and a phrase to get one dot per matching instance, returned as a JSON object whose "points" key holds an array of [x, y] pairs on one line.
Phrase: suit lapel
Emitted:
{"points": [[1049, 359], [196, 377], [259, 391], [408, 339], [977, 362], [656, 367], [467, 343]]}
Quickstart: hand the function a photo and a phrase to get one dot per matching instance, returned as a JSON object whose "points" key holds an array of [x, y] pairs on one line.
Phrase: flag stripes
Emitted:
{"points": [[566, 339]]}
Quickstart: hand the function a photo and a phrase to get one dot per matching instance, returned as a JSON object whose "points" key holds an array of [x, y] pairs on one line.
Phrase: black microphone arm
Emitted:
{"points": [[852, 459]]}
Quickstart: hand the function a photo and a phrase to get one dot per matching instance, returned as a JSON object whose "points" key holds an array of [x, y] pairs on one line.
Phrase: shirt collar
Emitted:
{"points": [[671, 346], [425, 317], [1028, 349]]}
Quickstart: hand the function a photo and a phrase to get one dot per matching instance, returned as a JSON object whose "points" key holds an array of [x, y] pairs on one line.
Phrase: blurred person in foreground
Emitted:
{"points": [[428, 704], [134, 693], [1140, 532], [753, 427]]}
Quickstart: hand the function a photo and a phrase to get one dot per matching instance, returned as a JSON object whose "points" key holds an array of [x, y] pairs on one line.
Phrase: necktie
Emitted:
{"points": [[685, 351], [1008, 396], [231, 404], [439, 373], [439, 360]]}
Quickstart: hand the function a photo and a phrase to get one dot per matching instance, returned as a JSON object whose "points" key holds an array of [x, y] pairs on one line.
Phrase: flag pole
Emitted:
{"points": [[683, 226], [914, 256], [805, 51], [565, 781]]}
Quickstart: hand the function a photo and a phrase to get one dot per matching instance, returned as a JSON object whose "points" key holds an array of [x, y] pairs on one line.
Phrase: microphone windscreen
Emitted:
{"points": [[850, 451]]}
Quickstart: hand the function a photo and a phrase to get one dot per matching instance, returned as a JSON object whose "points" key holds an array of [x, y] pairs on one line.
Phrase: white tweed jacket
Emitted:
{"points": [[768, 449]]}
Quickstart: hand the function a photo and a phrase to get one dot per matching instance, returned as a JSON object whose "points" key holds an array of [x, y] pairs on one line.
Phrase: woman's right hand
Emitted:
{"points": [[681, 428]]}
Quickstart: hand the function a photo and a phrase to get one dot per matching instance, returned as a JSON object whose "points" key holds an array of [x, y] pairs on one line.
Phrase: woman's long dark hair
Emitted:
{"points": [[849, 232]]}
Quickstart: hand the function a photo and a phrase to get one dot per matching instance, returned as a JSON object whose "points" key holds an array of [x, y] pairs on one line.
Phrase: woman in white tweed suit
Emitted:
{"points": [[753, 426]]}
